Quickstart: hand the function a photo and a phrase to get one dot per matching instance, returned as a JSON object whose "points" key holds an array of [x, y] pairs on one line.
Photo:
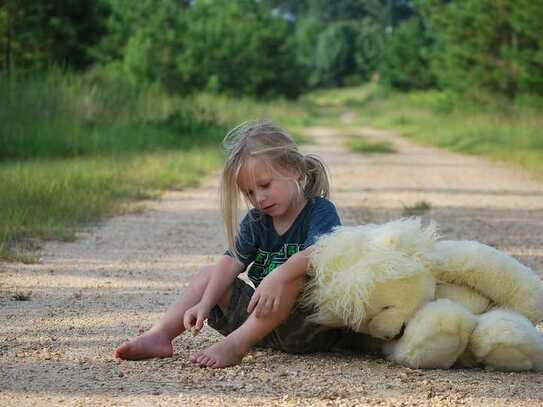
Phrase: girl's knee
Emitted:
{"points": [[205, 271], [203, 275]]}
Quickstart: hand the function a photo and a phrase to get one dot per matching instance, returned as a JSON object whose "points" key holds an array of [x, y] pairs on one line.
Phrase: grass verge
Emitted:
{"points": [[76, 149], [497, 129], [417, 209], [362, 145], [50, 199]]}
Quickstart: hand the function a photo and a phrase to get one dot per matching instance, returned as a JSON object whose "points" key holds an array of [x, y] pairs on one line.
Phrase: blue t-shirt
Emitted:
{"points": [[260, 247]]}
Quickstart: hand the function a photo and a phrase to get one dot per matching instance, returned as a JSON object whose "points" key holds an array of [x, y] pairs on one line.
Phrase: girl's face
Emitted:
{"points": [[270, 191]]}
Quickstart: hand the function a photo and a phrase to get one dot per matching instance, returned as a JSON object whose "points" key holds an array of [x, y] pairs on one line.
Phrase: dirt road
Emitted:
{"points": [[118, 278]]}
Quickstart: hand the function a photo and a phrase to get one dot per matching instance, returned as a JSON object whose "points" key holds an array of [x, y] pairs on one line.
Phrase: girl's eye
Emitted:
{"points": [[266, 185]]}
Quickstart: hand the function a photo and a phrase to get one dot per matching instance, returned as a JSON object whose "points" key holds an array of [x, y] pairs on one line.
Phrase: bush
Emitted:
{"points": [[405, 64]]}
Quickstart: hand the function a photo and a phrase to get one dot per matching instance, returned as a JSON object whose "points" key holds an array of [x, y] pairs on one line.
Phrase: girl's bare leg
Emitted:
{"points": [[231, 349], [157, 341]]}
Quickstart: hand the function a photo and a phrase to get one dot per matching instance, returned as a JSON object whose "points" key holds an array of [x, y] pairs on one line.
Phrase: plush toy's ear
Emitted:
{"points": [[435, 337], [506, 340]]}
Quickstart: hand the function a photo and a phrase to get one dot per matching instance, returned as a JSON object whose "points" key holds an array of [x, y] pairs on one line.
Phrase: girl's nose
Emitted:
{"points": [[260, 197]]}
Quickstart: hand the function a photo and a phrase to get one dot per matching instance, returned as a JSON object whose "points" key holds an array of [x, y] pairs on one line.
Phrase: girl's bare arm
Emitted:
{"points": [[226, 270], [295, 267], [268, 295]]}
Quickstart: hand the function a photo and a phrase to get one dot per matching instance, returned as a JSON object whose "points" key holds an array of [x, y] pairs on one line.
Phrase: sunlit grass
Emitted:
{"points": [[228, 112], [418, 208], [496, 129], [76, 149], [49, 199], [363, 145]]}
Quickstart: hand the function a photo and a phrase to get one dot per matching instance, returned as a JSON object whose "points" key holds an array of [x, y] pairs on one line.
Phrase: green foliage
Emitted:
{"points": [[369, 48], [78, 147], [417, 209], [405, 64], [38, 33], [335, 54], [333, 11], [240, 48], [486, 44], [65, 115]]}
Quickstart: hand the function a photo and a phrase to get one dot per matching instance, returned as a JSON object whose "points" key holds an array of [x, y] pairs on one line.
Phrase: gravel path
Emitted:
{"points": [[119, 277]]}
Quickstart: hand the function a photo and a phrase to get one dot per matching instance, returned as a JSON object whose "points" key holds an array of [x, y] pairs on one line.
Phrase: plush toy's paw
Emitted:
{"points": [[463, 295], [436, 336], [493, 274], [506, 340]]}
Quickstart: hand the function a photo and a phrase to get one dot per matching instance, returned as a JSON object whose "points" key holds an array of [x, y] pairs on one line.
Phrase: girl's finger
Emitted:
{"points": [[266, 308], [199, 323], [261, 307], [270, 305], [188, 321], [275, 305], [253, 302]]}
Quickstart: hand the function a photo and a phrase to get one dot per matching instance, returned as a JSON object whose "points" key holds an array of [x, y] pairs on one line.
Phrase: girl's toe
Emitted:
{"points": [[194, 357]]}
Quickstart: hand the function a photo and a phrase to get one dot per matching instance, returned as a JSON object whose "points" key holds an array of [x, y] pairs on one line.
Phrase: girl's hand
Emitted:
{"points": [[267, 297], [194, 318]]}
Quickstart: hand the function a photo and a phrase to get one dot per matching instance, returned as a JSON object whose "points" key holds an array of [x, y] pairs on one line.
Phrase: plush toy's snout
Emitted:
{"points": [[387, 324], [394, 302]]}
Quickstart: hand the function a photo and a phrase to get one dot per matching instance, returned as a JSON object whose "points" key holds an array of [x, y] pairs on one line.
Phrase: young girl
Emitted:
{"points": [[288, 192]]}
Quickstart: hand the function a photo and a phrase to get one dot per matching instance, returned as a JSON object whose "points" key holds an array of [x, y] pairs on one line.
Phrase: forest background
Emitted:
{"points": [[103, 102]]}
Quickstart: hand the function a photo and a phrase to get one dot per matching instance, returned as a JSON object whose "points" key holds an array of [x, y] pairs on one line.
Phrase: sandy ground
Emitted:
{"points": [[119, 277]]}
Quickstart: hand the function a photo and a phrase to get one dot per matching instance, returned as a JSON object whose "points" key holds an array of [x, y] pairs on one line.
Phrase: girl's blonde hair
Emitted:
{"points": [[266, 140]]}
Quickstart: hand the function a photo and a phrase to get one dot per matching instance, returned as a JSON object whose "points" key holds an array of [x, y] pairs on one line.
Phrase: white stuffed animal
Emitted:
{"points": [[380, 279]]}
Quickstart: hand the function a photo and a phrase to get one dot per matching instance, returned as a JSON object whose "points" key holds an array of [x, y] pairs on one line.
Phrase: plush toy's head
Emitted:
{"points": [[369, 278], [391, 304]]}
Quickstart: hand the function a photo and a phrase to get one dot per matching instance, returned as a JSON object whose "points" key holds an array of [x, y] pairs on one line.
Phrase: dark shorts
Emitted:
{"points": [[295, 334]]}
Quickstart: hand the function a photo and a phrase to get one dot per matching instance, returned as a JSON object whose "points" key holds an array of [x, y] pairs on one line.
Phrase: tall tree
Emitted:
{"points": [[405, 63], [38, 33], [240, 47], [486, 44]]}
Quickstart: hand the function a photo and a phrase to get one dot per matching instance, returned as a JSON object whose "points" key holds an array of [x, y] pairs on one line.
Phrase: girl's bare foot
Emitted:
{"points": [[147, 346], [222, 354]]}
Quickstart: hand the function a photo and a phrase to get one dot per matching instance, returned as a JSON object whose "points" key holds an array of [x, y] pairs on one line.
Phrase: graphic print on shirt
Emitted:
{"points": [[265, 262]]}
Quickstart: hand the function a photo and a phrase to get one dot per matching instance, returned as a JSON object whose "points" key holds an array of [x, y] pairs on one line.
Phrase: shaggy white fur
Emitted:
{"points": [[436, 336], [349, 264], [376, 278], [491, 273], [466, 296], [506, 340]]}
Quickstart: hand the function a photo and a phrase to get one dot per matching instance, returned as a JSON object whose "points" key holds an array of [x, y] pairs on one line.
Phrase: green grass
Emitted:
{"points": [[76, 149], [416, 209], [227, 112], [50, 199], [362, 145], [493, 128], [21, 296]]}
